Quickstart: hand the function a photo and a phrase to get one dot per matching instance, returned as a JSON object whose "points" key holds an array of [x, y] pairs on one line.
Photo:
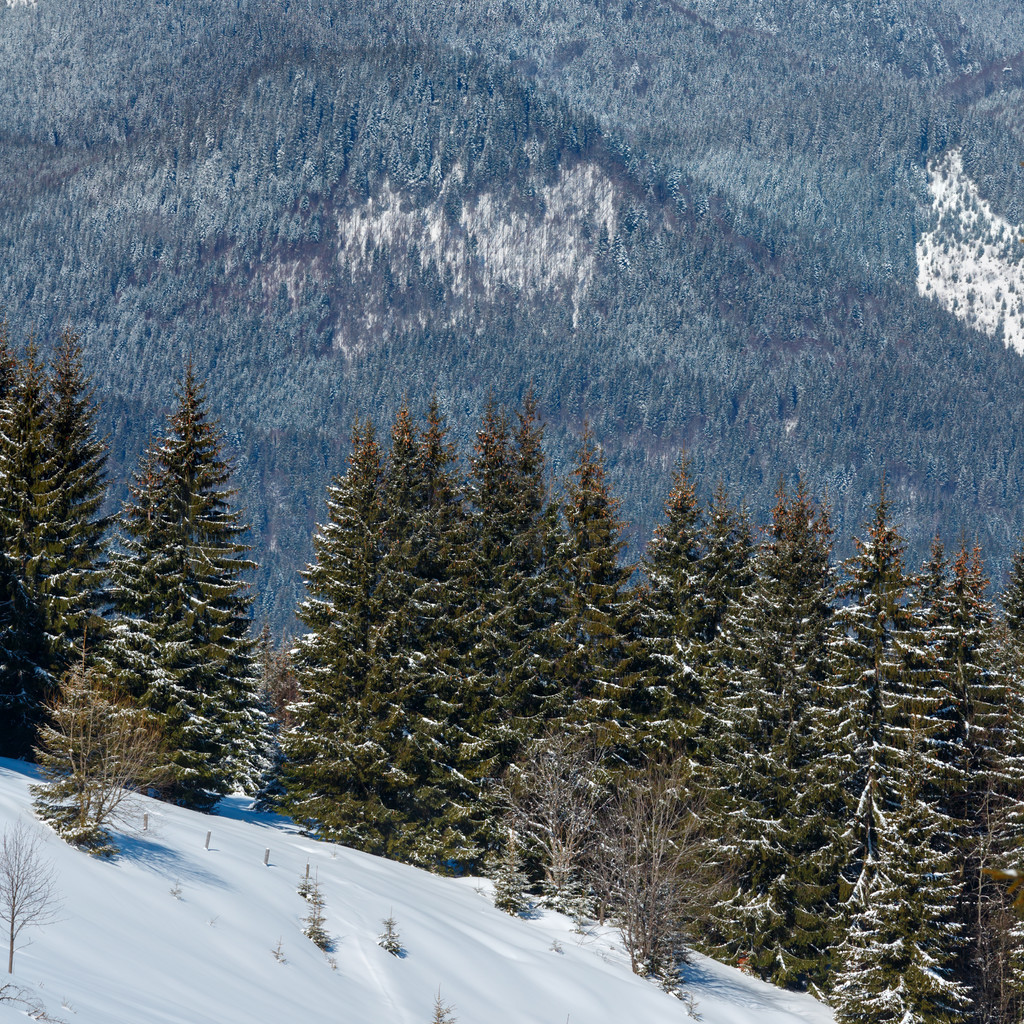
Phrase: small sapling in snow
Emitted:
{"points": [[313, 922], [444, 1013], [389, 939]]}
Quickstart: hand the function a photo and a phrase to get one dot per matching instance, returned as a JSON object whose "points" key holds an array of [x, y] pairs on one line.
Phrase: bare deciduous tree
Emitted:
{"points": [[554, 795], [28, 898], [649, 865], [95, 754]]}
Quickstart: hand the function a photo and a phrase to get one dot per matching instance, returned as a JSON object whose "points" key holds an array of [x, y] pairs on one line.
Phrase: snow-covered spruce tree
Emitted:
{"points": [[26, 510], [399, 772], [977, 745], [726, 566], [596, 665], [898, 961], [1009, 826], [75, 589], [51, 465], [511, 526], [893, 698], [727, 572], [875, 625], [432, 706], [334, 758], [180, 643], [773, 792], [672, 615], [510, 880]]}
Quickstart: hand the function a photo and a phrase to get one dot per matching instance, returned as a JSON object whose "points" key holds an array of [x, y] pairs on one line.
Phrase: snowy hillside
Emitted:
{"points": [[971, 262], [170, 932]]}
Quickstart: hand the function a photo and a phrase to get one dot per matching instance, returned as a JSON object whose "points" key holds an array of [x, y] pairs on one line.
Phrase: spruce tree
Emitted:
{"points": [[895, 706], [436, 705], [401, 772], [594, 665], [1009, 825], [978, 749], [28, 673], [673, 614], [181, 643], [726, 566], [898, 962], [335, 762], [876, 627], [75, 589], [51, 529], [775, 803], [514, 584]]}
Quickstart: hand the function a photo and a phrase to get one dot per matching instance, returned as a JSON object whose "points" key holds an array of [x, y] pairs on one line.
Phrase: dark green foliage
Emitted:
{"points": [[181, 641], [594, 667], [427, 705], [875, 657], [387, 742], [333, 758], [51, 530], [770, 757], [27, 514], [514, 579], [898, 962], [674, 617], [75, 592], [977, 744]]}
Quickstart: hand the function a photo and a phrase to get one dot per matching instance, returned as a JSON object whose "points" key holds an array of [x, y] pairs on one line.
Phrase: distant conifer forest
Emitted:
{"points": [[811, 770]]}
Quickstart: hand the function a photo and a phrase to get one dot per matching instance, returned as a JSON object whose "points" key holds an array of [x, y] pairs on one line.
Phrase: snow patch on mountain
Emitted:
{"points": [[970, 261], [479, 248]]}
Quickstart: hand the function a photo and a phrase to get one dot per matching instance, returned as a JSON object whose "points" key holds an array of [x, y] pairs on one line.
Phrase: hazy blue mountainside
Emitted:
{"points": [[687, 223]]}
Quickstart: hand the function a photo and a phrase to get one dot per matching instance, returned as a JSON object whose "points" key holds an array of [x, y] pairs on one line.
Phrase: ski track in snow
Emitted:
{"points": [[127, 951]]}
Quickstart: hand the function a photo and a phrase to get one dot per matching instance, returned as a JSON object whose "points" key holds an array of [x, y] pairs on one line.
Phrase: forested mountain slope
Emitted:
{"points": [[687, 223]]}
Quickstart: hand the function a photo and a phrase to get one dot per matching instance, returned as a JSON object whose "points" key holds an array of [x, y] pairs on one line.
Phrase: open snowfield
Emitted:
{"points": [[127, 950]]}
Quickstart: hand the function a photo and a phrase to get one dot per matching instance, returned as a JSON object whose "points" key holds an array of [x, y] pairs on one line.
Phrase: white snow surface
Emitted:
{"points": [[126, 950], [971, 261]]}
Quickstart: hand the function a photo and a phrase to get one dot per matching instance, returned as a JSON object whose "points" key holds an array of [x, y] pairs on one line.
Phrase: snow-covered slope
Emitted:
{"points": [[170, 933], [971, 261]]}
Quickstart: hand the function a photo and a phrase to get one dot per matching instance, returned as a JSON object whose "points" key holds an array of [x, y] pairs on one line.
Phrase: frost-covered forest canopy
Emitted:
{"points": [[688, 223]]}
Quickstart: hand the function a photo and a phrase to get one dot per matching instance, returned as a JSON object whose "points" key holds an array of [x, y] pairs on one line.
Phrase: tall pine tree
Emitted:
{"points": [[777, 809], [181, 643], [595, 666], [335, 762]]}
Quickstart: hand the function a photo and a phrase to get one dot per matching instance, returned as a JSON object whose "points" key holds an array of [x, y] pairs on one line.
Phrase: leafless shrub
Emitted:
{"points": [[554, 795], [24, 1000], [649, 866]]}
